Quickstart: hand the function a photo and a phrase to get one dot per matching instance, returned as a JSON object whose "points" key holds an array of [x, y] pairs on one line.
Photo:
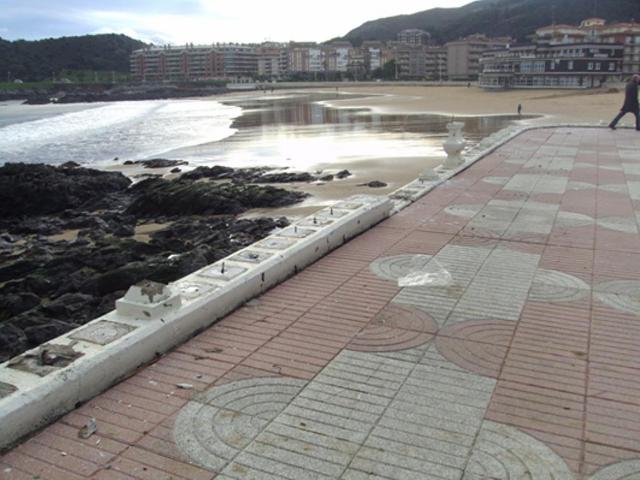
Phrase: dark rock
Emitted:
{"points": [[373, 184], [175, 170], [17, 268], [47, 287], [343, 174], [70, 164], [13, 341], [157, 163], [247, 175], [326, 178], [119, 278], [38, 225], [43, 189], [38, 284], [88, 222], [37, 100], [284, 178], [14, 304], [180, 197], [69, 306], [215, 172], [124, 230], [5, 237], [44, 330], [147, 175]]}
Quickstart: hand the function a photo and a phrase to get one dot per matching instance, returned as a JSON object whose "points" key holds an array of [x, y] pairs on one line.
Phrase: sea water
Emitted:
{"points": [[296, 131], [96, 134]]}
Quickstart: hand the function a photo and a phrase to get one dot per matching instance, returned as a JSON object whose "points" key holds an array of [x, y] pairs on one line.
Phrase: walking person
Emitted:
{"points": [[519, 109], [630, 103]]}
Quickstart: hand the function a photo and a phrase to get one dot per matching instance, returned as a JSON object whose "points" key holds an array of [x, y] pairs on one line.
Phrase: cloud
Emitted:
{"points": [[133, 33], [201, 21]]}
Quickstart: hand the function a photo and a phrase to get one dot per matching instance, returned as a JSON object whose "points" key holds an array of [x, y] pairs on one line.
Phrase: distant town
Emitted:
{"points": [[591, 54]]}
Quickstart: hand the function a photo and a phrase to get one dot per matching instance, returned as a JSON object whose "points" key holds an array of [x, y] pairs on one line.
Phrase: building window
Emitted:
{"points": [[598, 66], [590, 66], [570, 65], [612, 67]]}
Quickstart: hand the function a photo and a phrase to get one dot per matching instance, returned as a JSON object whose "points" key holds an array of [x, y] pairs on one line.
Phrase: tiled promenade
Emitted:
{"points": [[526, 366]]}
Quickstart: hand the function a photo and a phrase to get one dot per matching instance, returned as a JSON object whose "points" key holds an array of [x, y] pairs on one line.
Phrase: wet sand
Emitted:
{"points": [[554, 106], [395, 172], [378, 132]]}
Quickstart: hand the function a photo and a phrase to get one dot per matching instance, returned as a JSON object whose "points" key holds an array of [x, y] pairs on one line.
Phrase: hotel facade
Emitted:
{"points": [[592, 54]]}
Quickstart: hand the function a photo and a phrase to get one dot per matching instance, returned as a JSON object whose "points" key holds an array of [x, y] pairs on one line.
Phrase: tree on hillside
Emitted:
{"points": [[44, 59]]}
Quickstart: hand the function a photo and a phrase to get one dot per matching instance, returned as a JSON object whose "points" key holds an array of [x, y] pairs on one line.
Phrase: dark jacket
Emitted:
{"points": [[631, 98]]}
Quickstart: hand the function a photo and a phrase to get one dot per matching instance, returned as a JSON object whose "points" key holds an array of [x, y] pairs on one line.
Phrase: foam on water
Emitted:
{"points": [[127, 130]]}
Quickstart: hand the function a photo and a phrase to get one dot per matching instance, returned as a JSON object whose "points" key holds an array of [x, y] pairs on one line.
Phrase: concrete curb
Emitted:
{"points": [[111, 347]]}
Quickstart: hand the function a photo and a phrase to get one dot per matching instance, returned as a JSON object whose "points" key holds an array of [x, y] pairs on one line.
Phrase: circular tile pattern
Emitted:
{"points": [[554, 286], [466, 211], [580, 186], [495, 332], [479, 346], [496, 180], [577, 165], [393, 268], [572, 220], [628, 470], [213, 427], [395, 328], [503, 452], [615, 188], [619, 224], [623, 295]]}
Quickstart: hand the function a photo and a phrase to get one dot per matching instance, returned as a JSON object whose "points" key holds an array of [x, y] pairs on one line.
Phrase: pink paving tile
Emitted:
{"points": [[616, 264], [566, 371], [567, 259], [576, 237], [617, 241], [418, 242]]}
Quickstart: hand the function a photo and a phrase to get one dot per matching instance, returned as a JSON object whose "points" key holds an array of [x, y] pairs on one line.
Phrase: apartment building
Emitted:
{"points": [[273, 60], [627, 34], [414, 36], [240, 61], [306, 57], [374, 52], [435, 63], [357, 66], [336, 56], [410, 60], [463, 56], [585, 55], [188, 62]]}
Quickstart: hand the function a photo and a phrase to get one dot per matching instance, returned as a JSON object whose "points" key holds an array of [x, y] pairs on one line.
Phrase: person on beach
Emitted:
{"points": [[519, 109], [630, 103]]}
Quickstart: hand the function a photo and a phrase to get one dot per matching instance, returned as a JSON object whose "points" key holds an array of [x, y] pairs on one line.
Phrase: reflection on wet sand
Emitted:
{"points": [[302, 133]]}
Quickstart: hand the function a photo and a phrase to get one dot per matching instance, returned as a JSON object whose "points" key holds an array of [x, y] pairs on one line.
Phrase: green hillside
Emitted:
{"points": [[516, 18], [42, 59]]}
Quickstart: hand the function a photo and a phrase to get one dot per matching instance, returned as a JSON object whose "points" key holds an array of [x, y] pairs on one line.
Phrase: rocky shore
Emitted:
{"points": [[68, 243], [107, 93]]}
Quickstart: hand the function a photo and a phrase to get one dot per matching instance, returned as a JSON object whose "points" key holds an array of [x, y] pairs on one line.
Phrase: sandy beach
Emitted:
{"points": [[554, 106]]}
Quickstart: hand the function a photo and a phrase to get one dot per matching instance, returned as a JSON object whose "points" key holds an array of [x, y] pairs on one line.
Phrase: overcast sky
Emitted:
{"points": [[200, 21]]}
